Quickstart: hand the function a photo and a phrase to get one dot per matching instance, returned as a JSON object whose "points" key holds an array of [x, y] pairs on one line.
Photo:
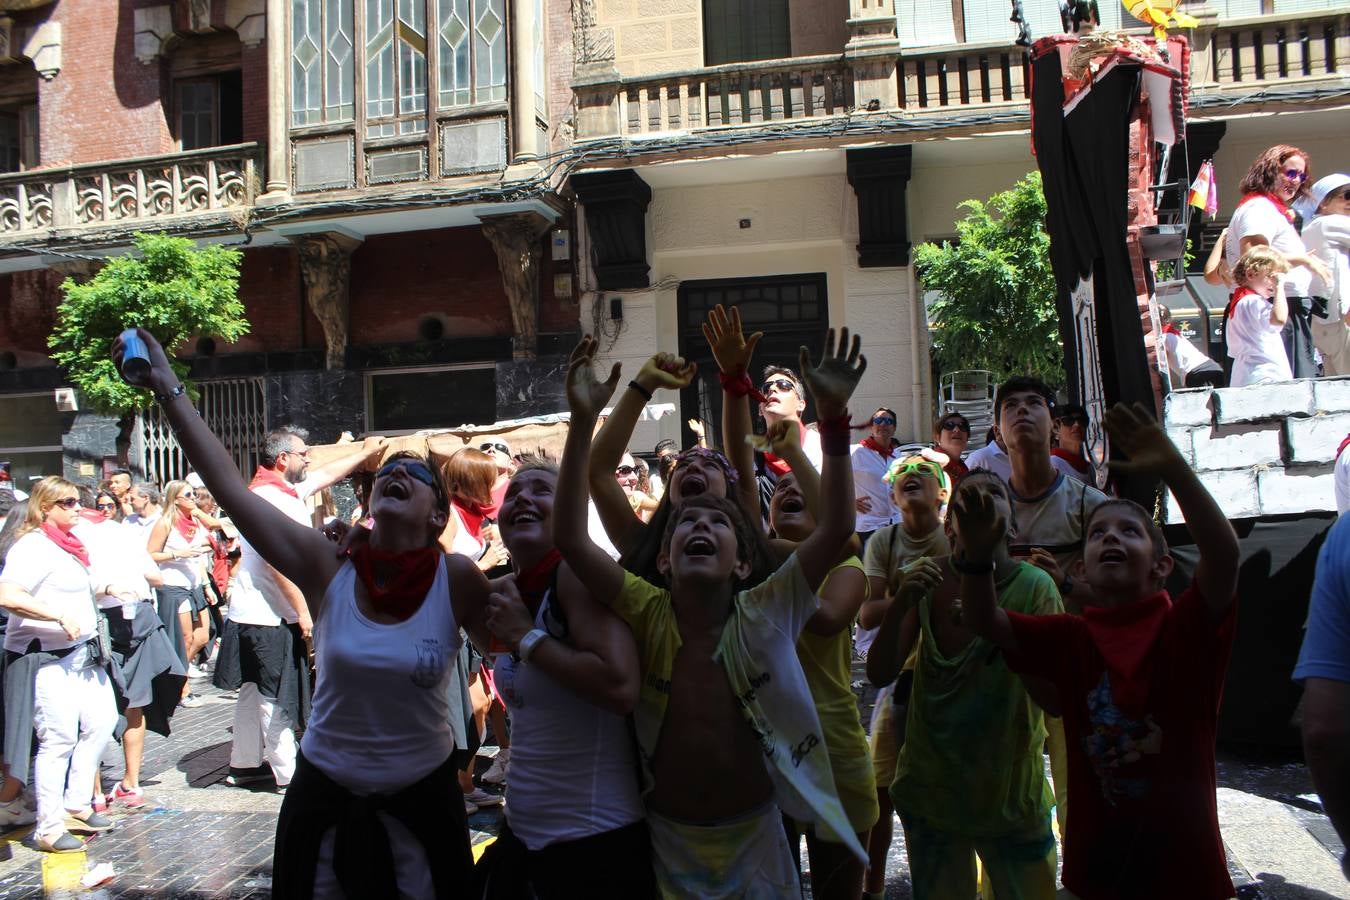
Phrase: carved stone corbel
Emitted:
{"points": [[515, 238], [42, 45], [151, 27], [248, 18], [326, 266]]}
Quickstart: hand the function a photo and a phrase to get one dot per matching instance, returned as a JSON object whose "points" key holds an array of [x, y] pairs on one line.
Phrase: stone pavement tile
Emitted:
{"points": [[1274, 847]]}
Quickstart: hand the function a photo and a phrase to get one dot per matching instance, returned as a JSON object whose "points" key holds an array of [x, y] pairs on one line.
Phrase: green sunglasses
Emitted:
{"points": [[916, 464]]}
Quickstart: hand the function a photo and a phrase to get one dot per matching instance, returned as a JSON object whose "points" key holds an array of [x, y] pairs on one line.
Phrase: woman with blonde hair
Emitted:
{"points": [[180, 542], [57, 676]]}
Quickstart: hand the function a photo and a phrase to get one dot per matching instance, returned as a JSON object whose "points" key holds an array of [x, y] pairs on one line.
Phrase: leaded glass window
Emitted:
{"points": [[472, 46], [396, 67], [323, 76]]}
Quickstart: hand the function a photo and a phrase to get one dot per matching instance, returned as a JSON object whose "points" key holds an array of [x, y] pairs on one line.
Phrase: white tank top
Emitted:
{"points": [[463, 542], [573, 773], [188, 572], [381, 715]]}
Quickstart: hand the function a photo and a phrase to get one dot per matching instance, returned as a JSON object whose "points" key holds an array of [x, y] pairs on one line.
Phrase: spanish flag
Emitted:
{"points": [[1204, 193]]}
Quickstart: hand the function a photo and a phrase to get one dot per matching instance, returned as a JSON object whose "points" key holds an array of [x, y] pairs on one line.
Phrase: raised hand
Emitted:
{"points": [[730, 347], [980, 526], [1139, 437], [508, 618], [696, 426], [666, 370], [782, 438], [833, 380], [586, 395]]}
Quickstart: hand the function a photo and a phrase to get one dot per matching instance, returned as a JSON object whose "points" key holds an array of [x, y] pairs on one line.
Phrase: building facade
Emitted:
{"points": [[435, 197]]}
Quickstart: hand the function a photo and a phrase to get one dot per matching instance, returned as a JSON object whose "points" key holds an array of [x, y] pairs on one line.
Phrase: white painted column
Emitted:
{"points": [[522, 81], [278, 67]]}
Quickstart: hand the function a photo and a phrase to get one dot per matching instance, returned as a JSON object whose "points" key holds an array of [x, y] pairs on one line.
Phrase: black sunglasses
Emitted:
{"points": [[1074, 420], [489, 447], [415, 469], [780, 384], [956, 425], [68, 503], [625, 470]]}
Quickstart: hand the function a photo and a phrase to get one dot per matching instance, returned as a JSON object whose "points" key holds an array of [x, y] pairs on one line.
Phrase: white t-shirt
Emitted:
{"points": [[255, 596], [117, 556], [1182, 356], [869, 469], [1254, 344], [992, 458], [1259, 216], [55, 578], [1055, 521], [1341, 479], [144, 523], [187, 571]]}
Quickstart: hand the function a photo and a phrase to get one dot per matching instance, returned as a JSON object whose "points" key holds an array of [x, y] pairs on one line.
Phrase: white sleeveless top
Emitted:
{"points": [[463, 542], [189, 572], [573, 772], [381, 715]]}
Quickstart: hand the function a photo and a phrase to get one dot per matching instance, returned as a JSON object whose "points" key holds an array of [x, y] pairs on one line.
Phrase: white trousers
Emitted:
{"points": [[262, 731], [74, 713]]}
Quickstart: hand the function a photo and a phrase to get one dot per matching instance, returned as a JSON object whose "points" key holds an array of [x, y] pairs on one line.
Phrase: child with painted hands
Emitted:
{"points": [[1139, 677]]}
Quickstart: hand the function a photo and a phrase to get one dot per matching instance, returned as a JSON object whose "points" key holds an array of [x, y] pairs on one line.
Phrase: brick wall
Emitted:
{"points": [[560, 58], [28, 303], [1263, 449], [255, 74]]}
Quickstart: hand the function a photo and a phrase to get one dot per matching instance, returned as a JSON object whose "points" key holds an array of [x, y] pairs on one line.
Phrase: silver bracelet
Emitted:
{"points": [[529, 642]]}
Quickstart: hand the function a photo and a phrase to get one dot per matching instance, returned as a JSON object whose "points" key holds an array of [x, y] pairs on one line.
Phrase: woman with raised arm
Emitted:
{"points": [[374, 808]]}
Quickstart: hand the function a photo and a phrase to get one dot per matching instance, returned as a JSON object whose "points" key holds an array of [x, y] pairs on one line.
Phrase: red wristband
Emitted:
{"points": [[834, 434], [740, 386]]}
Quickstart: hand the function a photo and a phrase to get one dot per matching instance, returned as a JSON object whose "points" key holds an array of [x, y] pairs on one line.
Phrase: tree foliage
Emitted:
{"points": [[169, 288], [997, 305]]}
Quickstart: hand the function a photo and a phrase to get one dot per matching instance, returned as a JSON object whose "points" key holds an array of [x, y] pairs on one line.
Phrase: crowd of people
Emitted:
{"points": [[1285, 258], [664, 656]]}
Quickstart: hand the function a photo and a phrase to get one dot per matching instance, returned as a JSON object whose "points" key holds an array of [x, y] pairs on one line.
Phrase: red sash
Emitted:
{"points": [[870, 444], [396, 583], [67, 542]]}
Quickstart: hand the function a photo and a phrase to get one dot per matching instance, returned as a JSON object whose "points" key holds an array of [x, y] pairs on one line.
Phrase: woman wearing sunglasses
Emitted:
{"points": [[951, 436], [57, 677], [1279, 177], [373, 809]]}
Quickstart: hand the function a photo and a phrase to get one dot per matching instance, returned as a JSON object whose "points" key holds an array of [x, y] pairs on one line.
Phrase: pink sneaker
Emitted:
{"points": [[128, 798], [100, 802]]}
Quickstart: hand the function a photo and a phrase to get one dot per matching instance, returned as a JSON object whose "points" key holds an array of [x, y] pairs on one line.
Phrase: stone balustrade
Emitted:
{"points": [[1265, 449], [1228, 58], [128, 192]]}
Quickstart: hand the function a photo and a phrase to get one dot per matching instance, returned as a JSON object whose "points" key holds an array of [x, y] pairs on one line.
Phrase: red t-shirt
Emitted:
{"points": [[1143, 818], [1074, 459]]}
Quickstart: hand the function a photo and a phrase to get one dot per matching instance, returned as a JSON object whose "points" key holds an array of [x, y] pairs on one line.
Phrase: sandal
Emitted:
{"points": [[64, 843], [90, 824]]}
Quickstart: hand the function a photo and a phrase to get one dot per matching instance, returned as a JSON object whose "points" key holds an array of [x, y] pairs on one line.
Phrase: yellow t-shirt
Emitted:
{"points": [[827, 663]]}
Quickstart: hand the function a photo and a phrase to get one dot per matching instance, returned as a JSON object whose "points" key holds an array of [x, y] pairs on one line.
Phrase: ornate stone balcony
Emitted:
{"points": [[153, 192], [1237, 62]]}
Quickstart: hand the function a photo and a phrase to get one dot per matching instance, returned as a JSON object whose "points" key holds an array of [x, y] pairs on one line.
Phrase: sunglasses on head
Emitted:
{"points": [[712, 456], [777, 384], [955, 425], [415, 469], [882, 420], [68, 502], [489, 447], [1295, 175], [625, 471]]}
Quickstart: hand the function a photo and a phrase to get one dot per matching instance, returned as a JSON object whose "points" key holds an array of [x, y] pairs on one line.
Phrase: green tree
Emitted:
{"points": [[169, 288], [996, 308]]}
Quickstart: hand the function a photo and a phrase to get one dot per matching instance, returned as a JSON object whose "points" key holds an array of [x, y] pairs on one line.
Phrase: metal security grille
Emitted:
{"points": [[235, 411]]}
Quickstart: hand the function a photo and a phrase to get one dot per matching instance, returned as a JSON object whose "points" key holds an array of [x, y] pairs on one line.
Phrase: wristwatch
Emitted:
{"points": [[176, 392]]}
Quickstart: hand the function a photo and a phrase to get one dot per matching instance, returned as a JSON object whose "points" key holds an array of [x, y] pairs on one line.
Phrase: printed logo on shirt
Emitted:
{"points": [[430, 663], [1116, 741]]}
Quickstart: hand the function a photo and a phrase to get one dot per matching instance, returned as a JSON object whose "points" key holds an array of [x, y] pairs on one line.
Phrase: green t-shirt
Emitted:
{"points": [[971, 763]]}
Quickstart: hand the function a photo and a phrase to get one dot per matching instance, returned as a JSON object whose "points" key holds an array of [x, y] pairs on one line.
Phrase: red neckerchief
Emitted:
{"points": [[1341, 449], [777, 466], [1241, 292], [870, 444], [1279, 204], [1076, 461], [93, 516], [1125, 636], [472, 515], [396, 583], [272, 478], [67, 542], [534, 582], [185, 525], [1169, 328]]}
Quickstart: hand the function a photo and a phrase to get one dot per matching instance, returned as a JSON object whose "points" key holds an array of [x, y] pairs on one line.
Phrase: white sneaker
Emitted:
{"points": [[195, 672], [479, 798], [496, 773], [14, 814]]}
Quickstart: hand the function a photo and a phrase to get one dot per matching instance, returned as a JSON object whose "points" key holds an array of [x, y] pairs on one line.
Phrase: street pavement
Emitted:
{"points": [[198, 838]]}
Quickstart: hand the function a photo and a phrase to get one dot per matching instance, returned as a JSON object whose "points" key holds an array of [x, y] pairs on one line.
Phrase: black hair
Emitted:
{"points": [[1070, 411], [1021, 384], [663, 445]]}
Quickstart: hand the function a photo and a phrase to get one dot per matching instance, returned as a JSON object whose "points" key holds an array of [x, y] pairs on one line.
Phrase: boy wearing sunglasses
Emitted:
{"points": [[784, 401], [969, 779]]}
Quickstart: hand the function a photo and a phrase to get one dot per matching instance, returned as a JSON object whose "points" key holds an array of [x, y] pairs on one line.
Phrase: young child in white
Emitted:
{"points": [[1256, 314]]}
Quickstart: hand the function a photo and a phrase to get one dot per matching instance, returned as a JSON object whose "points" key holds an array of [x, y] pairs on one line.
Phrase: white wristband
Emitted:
{"points": [[529, 642]]}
